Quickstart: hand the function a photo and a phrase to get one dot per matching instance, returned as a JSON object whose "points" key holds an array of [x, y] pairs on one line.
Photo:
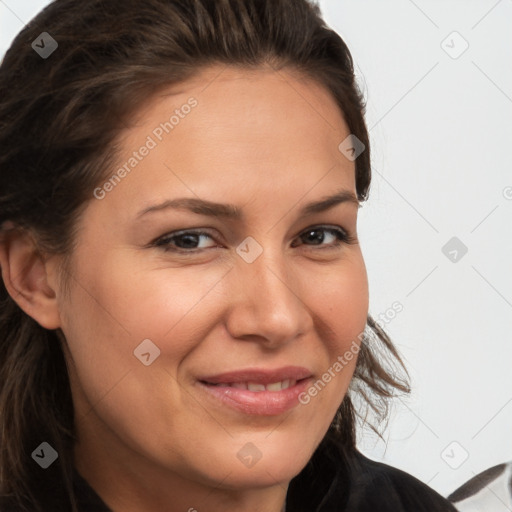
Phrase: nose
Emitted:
{"points": [[266, 304]]}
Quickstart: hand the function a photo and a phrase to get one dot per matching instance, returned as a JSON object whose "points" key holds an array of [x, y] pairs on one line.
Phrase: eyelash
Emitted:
{"points": [[343, 237]]}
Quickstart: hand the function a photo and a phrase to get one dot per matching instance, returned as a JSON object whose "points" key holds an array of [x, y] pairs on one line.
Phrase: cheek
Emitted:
{"points": [[144, 301], [340, 309], [116, 305], [342, 301], [119, 303]]}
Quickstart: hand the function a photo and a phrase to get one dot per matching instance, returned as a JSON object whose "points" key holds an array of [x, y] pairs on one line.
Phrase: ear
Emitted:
{"points": [[25, 276]]}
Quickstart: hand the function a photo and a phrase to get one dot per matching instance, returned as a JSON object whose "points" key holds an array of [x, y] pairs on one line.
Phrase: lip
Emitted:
{"points": [[263, 403], [259, 375]]}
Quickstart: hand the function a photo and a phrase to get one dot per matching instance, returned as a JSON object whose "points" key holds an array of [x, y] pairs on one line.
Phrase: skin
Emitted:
{"points": [[149, 438]]}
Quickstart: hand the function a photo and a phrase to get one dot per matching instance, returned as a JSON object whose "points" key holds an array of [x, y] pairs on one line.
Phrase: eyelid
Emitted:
{"points": [[347, 238], [160, 241]]}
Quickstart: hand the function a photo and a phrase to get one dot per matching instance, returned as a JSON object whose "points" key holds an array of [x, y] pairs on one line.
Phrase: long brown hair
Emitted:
{"points": [[60, 118]]}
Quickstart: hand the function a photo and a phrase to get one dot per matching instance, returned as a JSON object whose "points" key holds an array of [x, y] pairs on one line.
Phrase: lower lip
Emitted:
{"points": [[262, 403]]}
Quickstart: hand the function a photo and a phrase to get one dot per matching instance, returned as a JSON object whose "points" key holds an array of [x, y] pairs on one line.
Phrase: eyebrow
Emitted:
{"points": [[230, 211]]}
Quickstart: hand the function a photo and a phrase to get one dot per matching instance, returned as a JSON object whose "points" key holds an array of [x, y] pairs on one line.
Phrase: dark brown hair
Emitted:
{"points": [[60, 119]]}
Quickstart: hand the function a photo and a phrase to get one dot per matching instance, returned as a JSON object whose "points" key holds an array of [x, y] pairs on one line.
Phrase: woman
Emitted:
{"points": [[184, 308]]}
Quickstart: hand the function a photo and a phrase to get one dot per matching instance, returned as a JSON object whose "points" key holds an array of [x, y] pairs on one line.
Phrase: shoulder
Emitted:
{"points": [[378, 486]]}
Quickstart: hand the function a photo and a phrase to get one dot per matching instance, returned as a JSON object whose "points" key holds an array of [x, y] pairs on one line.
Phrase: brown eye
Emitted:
{"points": [[316, 236], [188, 241], [182, 241]]}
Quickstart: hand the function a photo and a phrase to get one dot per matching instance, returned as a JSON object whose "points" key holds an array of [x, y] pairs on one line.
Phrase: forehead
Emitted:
{"points": [[232, 131], [229, 87]]}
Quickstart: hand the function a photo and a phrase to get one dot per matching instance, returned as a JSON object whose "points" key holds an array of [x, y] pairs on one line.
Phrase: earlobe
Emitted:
{"points": [[24, 273]]}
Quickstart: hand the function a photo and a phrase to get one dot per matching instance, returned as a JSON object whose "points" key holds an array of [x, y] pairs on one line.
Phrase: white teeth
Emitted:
{"points": [[288, 383], [276, 386], [251, 386], [254, 386]]}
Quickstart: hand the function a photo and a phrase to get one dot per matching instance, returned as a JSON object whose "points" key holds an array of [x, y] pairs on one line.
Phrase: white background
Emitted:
{"points": [[441, 132]]}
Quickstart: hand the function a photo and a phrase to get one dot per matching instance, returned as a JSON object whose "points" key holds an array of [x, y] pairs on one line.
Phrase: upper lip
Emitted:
{"points": [[259, 375]]}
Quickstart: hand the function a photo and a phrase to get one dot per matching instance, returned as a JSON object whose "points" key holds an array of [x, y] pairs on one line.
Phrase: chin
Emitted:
{"points": [[267, 465], [263, 475]]}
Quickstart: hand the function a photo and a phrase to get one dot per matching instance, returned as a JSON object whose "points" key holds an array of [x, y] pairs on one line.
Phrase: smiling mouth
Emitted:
{"points": [[256, 386], [256, 398]]}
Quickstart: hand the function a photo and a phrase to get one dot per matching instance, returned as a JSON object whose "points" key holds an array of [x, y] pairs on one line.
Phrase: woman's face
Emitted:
{"points": [[172, 338]]}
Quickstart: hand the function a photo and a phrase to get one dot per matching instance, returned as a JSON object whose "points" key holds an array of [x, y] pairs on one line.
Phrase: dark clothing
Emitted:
{"points": [[88, 500], [377, 487], [372, 487]]}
